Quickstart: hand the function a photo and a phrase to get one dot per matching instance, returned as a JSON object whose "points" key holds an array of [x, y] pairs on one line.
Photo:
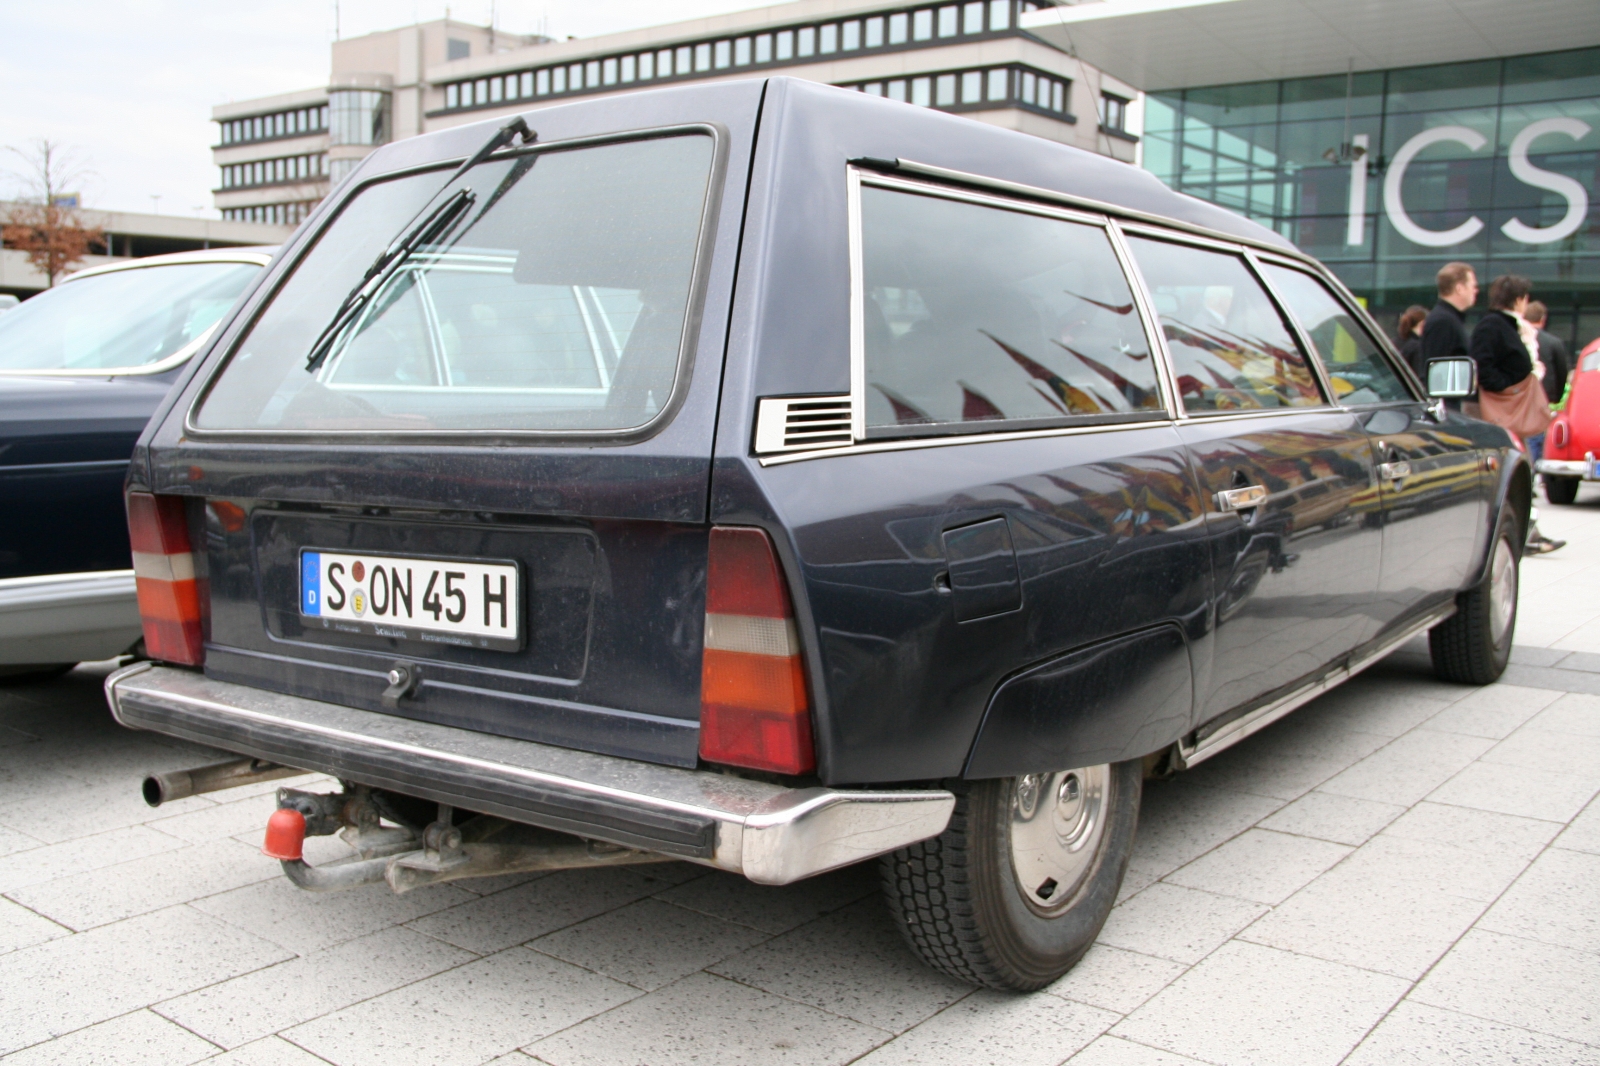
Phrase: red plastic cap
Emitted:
{"points": [[286, 835]]}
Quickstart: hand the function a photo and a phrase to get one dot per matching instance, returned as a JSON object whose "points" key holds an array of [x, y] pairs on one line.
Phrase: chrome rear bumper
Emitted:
{"points": [[1584, 468], [769, 833]]}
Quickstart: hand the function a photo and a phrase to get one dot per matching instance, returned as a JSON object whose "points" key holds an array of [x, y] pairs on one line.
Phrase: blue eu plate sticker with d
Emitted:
{"points": [[311, 583]]}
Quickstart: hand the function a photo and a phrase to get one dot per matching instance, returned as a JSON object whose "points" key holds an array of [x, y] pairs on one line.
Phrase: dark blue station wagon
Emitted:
{"points": [[775, 477]]}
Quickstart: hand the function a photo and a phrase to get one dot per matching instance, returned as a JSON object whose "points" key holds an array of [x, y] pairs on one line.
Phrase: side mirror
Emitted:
{"points": [[1452, 378]]}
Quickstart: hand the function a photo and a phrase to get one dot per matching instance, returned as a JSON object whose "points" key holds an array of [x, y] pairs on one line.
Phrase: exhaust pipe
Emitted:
{"points": [[176, 784]]}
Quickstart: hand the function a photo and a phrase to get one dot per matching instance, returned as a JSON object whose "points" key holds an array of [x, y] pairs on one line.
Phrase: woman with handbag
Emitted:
{"points": [[1510, 393]]}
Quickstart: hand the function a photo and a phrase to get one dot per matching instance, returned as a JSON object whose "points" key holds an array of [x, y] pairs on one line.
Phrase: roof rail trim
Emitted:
{"points": [[928, 170]]}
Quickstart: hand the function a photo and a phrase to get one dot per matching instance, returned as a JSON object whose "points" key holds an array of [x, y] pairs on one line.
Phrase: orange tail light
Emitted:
{"points": [[171, 578], [753, 707]]}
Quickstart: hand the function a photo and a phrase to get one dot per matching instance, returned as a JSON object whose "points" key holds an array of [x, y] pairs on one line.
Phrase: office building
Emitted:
{"points": [[1385, 139], [279, 155]]}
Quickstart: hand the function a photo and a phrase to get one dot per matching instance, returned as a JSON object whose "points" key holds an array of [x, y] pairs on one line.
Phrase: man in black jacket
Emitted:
{"points": [[1552, 352], [1444, 331]]}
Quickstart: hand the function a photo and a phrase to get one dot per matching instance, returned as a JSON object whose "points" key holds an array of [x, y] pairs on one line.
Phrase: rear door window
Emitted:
{"points": [[556, 304], [1356, 368], [979, 318], [1231, 349]]}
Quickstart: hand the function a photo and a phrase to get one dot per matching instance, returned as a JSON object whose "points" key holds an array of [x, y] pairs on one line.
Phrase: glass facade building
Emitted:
{"points": [[1388, 175]]}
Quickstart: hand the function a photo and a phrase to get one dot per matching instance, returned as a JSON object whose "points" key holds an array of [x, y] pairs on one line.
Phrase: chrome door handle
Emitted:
{"points": [[1241, 499], [1394, 471]]}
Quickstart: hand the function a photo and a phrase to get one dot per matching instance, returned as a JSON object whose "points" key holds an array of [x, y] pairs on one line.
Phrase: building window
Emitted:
{"points": [[948, 21], [591, 73], [922, 92], [874, 38], [785, 45], [850, 36], [527, 82], [1114, 113], [741, 52], [921, 25], [455, 49], [999, 15], [628, 69], [829, 39], [608, 72], [541, 83], [722, 57], [972, 17], [495, 90], [764, 48], [972, 87], [897, 90], [806, 42], [897, 28], [647, 66], [682, 60], [360, 116]]}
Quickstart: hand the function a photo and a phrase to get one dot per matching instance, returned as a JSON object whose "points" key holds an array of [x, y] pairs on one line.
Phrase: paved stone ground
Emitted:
{"points": [[1401, 872]]}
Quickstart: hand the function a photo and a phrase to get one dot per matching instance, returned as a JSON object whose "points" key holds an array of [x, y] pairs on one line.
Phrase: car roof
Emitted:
{"points": [[258, 255], [919, 140]]}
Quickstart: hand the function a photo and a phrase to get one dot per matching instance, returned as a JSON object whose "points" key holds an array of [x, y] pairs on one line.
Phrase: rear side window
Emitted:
{"points": [[1355, 366], [1231, 350], [556, 304], [978, 316]]}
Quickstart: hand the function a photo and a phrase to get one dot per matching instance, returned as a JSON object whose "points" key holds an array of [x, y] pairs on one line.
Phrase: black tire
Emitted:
{"points": [[956, 899], [1473, 646], [1562, 490]]}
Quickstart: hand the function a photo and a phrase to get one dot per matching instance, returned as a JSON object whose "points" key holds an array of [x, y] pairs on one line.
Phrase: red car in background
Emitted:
{"points": [[1572, 443]]}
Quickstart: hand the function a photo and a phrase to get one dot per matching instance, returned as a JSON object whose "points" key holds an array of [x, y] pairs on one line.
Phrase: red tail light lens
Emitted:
{"points": [[171, 579], [1559, 433], [753, 707]]}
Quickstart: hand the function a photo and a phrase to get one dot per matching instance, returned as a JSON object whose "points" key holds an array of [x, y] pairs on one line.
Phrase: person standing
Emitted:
{"points": [[1444, 331], [1552, 352], [1505, 377], [1410, 340]]}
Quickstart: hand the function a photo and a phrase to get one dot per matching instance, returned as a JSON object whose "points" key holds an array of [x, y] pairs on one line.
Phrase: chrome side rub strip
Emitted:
{"points": [[1190, 754]]}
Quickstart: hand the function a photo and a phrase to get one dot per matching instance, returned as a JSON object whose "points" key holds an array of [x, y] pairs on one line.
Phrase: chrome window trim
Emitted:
{"points": [[858, 308], [1342, 296], [1152, 321], [688, 341], [903, 444], [855, 178], [1132, 214], [1308, 350], [1247, 254]]}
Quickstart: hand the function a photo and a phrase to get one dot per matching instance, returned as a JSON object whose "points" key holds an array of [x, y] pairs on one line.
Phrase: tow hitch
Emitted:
{"points": [[409, 857]]}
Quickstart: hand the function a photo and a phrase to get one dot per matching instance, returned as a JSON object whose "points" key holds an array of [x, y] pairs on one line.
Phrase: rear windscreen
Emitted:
{"points": [[556, 303]]}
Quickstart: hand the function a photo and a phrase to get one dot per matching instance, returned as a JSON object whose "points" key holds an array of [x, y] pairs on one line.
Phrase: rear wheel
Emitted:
{"points": [[1013, 893], [1473, 645], [1561, 489]]}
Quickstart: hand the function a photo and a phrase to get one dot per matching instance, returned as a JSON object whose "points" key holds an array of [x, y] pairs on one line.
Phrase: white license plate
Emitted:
{"points": [[448, 601]]}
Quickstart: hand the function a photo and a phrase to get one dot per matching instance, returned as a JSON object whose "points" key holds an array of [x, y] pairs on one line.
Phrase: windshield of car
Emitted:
{"points": [[125, 318], [555, 303]]}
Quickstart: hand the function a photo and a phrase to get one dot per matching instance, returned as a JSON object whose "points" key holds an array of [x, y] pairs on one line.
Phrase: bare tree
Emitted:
{"points": [[40, 224]]}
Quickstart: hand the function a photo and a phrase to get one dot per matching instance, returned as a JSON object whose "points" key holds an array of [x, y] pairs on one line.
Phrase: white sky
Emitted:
{"points": [[129, 84]]}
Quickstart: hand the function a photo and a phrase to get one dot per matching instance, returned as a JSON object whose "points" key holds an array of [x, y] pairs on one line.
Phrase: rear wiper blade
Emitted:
{"points": [[426, 226]]}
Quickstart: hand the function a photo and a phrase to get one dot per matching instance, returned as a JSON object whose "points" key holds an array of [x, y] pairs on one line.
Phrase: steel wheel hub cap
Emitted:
{"points": [[1057, 823], [1502, 590]]}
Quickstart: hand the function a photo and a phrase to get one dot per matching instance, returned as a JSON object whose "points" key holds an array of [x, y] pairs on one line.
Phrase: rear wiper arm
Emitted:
{"points": [[425, 227]]}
